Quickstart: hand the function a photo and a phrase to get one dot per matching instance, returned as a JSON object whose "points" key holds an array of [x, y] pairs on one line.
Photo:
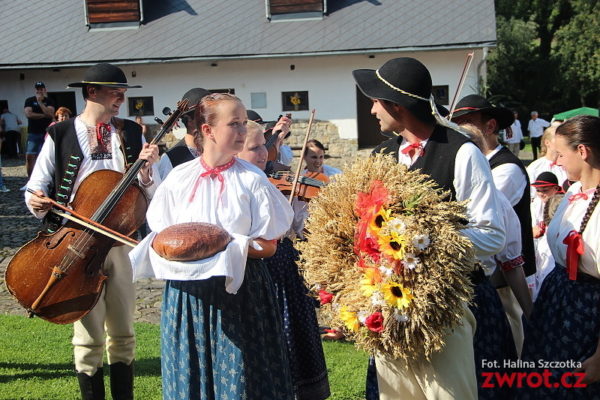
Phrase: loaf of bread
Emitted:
{"points": [[190, 241]]}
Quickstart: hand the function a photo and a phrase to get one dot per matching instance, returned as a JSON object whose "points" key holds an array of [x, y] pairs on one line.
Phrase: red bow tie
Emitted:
{"points": [[578, 196], [212, 173], [412, 148]]}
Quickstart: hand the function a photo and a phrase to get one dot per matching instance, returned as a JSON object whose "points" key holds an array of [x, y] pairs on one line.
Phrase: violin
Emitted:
{"points": [[272, 141], [307, 187]]}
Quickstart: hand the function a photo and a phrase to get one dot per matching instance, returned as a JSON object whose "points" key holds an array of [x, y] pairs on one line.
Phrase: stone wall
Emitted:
{"points": [[338, 151]]}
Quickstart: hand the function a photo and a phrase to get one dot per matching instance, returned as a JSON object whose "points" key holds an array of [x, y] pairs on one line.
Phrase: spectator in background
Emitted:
{"points": [[62, 114], [514, 135], [9, 126], [547, 160], [3, 188], [39, 110], [536, 128], [140, 121]]}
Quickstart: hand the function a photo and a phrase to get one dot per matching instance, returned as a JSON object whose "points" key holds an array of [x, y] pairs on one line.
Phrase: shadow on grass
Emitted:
{"points": [[32, 371], [147, 367]]}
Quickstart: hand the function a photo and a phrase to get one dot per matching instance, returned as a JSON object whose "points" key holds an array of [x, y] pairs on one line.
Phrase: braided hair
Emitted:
{"points": [[590, 210]]}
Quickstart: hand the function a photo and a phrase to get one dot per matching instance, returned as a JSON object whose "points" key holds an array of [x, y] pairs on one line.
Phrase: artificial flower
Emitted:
{"points": [[387, 271], [375, 322], [325, 297], [364, 243], [397, 295], [378, 220], [368, 204], [362, 316], [396, 225], [350, 319], [398, 316], [370, 280], [377, 298], [421, 242], [410, 261], [392, 246]]}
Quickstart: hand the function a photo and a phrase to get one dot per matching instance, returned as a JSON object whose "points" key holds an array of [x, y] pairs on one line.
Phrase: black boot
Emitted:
{"points": [[92, 387], [121, 381]]}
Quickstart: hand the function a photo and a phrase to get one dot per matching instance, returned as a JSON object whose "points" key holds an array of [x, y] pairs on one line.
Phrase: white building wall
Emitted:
{"points": [[328, 79]]}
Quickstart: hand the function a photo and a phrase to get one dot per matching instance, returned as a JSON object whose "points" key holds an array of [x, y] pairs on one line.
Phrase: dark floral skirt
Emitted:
{"points": [[300, 326], [564, 329], [216, 345]]}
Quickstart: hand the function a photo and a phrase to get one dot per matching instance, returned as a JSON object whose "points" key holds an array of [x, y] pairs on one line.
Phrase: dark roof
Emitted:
{"points": [[53, 33]]}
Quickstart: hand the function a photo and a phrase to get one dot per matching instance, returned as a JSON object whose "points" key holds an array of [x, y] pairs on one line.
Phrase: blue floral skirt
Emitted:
{"points": [[300, 326], [564, 328], [216, 345]]}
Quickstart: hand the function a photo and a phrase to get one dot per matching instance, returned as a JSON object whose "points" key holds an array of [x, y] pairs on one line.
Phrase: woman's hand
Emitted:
{"points": [[591, 368], [269, 247]]}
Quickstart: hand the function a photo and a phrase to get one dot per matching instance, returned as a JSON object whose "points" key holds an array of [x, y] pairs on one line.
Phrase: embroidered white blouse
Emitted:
{"points": [[568, 216], [245, 204]]}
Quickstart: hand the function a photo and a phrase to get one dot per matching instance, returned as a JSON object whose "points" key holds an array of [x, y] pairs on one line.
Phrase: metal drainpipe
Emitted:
{"points": [[479, 74]]}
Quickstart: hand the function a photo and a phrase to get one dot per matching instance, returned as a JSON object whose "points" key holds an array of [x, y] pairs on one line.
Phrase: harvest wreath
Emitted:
{"points": [[385, 254]]}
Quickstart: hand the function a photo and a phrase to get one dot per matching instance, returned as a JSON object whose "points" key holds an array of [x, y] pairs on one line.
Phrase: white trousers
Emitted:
{"points": [[513, 311], [110, 323], [449, 374]]}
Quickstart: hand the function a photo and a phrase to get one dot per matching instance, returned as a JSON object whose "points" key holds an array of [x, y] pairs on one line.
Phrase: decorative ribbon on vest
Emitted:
{"points": [[102, 130], [574, 243], [212, 173]]}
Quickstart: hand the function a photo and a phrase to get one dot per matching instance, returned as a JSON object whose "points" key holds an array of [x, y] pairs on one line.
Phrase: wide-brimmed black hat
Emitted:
{"points": [[193, 96], [403, 81], [104, 74], [474, 103], [254, 116]]}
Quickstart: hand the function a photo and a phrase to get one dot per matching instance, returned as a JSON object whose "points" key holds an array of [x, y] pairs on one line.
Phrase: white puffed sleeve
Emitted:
{"points": [[272, 214]]}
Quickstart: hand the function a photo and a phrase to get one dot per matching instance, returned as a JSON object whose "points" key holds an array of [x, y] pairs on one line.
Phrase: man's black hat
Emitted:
{"points": [[403, 81], [104, 74], [193, 96], [254, 116], [474, 103]]}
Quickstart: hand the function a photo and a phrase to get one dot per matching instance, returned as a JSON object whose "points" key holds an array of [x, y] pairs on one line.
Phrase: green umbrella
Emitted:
{"points": [[578, 111]]}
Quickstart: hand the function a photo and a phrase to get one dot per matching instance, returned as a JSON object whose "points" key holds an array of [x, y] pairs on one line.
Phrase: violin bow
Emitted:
{"points": [[299, 168], [461, 82]]}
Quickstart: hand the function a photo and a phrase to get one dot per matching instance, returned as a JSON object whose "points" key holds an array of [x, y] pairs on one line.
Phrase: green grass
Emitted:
{"points": [[36, 363]]}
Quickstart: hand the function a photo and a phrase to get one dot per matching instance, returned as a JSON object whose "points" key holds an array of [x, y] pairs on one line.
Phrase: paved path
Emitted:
{"points": [[18, 226]]}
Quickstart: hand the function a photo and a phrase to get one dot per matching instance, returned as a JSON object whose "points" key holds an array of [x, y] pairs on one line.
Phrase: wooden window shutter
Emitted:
{"points": [[110, 11], [295, 6]]}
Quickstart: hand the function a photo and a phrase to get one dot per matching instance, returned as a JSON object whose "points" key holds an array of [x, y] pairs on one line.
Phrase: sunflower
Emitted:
{"points": [[392, 245], [369, 282], [378, 220], [350, 319], [397, 295]]}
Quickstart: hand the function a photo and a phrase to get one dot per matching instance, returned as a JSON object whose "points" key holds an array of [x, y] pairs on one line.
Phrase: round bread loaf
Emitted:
{"points": [[190, 241]]}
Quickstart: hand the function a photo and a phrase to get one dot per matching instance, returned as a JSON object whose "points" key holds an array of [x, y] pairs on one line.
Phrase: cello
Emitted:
{"points": [[58, 276]]}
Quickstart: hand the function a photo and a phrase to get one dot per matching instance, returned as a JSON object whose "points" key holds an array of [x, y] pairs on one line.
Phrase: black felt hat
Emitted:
{"points": [[545, 179], [474, 103], [193, 96], [254, 116], [403, 81], [104, 74]]}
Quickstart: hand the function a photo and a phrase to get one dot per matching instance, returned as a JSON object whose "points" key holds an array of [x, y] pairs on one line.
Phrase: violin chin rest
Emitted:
{"points": [[190, 241]]}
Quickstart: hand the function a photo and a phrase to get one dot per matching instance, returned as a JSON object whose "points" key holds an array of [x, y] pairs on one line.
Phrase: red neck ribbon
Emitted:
{"points": [[101, 130], [212, 173], [574, 243], [412, 148], [577, 196]]}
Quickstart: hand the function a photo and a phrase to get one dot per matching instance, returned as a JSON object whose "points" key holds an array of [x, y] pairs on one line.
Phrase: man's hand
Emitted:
{"points": [[39, 202], [150, 154], [283, 127]]}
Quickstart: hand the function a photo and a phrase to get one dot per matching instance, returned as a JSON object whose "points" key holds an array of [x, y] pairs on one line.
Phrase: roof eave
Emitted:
{"points": [[457, 46]]}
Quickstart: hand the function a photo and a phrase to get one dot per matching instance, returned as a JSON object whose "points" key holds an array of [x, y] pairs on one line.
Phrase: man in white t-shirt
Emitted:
{"points": [[536, 128]]}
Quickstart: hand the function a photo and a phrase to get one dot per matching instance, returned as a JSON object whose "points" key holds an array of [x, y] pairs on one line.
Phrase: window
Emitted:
{"points": [[140, 106], [294, 101], [110, 13], [295, 9], [258, 100], [440, 94]]}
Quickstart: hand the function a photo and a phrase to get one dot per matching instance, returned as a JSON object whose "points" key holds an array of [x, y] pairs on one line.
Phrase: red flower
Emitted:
{"points": [[363, 243], [368, 204], [325, 297], [375, 322]]}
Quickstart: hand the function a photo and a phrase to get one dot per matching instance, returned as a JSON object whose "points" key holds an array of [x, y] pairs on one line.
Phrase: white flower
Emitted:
{"points": [[410, 261], [399, 316], [421, 242], [377, 298], [317, 286], [386, 271], [362, 316], [396, 225]]}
